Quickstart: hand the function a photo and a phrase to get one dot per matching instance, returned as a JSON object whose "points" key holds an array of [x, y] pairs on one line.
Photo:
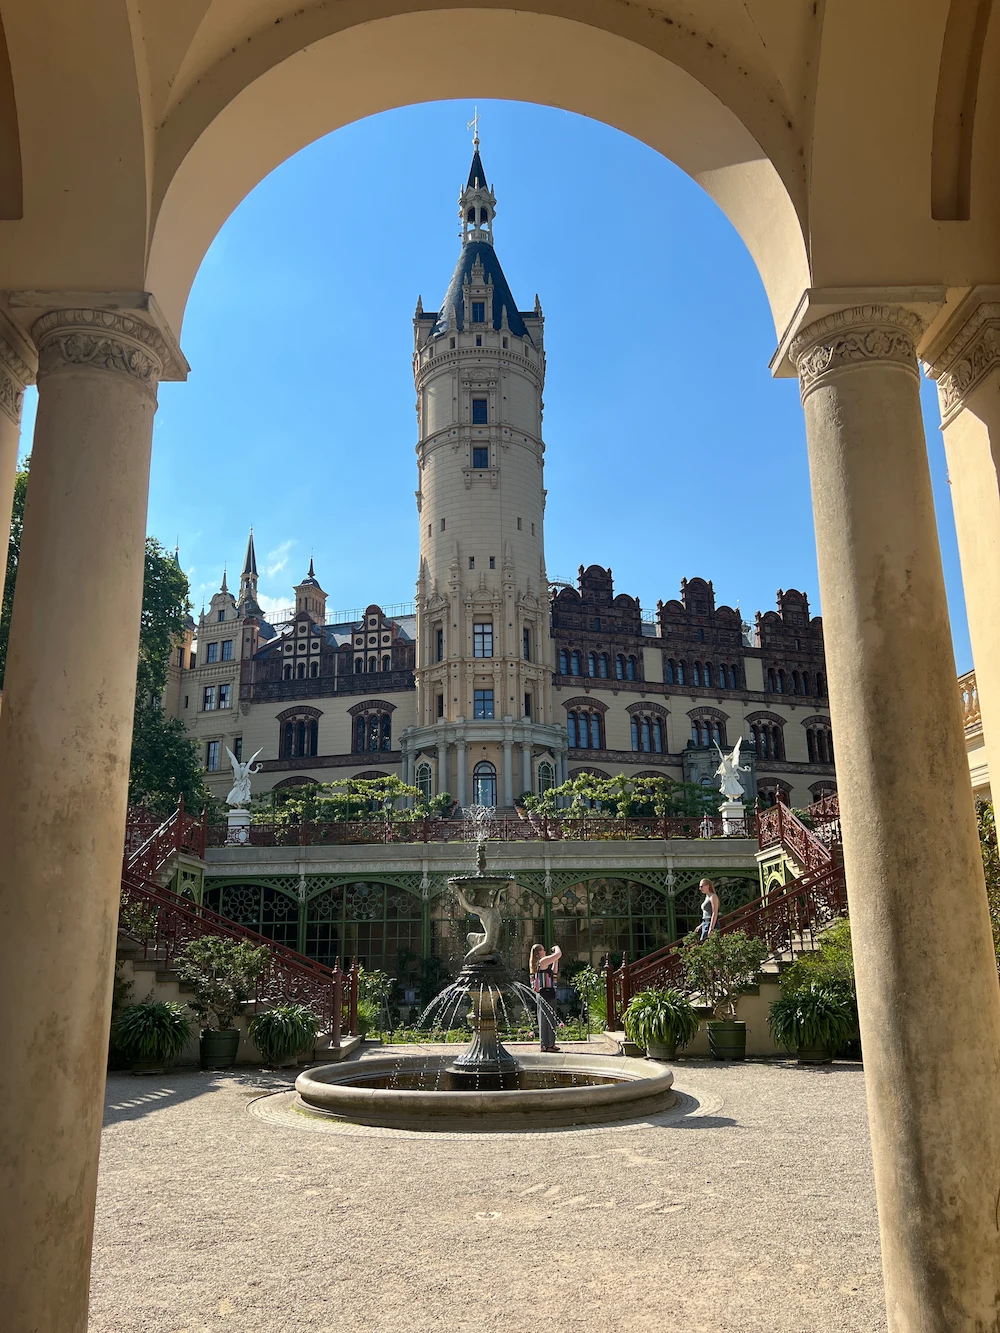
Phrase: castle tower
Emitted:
{"points": [[484, 670], [310, 597]]}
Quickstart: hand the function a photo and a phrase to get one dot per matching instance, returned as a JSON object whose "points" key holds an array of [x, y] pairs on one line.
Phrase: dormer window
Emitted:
{"points": [[479, 312]]}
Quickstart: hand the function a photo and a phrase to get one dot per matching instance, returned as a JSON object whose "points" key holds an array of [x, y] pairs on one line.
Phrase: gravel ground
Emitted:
{"points": [[748, 1210]]}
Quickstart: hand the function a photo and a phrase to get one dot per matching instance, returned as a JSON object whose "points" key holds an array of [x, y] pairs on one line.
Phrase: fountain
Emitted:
{"points": [[485, 1086]]}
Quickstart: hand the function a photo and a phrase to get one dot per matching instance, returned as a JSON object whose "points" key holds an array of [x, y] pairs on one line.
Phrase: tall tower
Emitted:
{"points": [[484, 669]]}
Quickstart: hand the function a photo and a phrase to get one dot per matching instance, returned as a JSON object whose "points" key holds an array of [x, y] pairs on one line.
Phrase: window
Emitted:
{"points": [[186, 698], [299, 738], [772, 681], [820, 742], [386, 664], [708, 675], [287, 672], [238, 747], [359, 665], [632, 669], [480, 456], [314, 669], [222, 615], [707, 731], [563, 662], [546, 776], [479, 312], [781, 681], [180, 656], [451, 343], [423, 783], [227, 650], [493, 562], [671, 673], [584, 729], [603, 665], [479, 340], [208, 699], [479, 412], [505, 342], [440, 705], [680, 673], [574, 663], [224, 693], [620, 667], [472, 562], [696, 674], [805, 682], [212, 756], [442, 525], [439, 644], [212, 655], [526, 643], [527, 705], [591, 664], [300, 671], [484, 784], [372, 732], [648, 733], [482, 705], [821, 684], [482, 640], [519, 525]]}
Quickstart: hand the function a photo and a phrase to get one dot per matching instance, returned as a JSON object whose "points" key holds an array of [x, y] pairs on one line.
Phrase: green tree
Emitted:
{"points": [[164, 762], [986, 819], [13, 556]]}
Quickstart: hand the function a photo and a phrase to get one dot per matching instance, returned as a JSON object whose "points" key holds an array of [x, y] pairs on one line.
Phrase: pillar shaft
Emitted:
{"points": [[526, 784], [462, 773], [508, 773], [926, 976], [65, 733]]}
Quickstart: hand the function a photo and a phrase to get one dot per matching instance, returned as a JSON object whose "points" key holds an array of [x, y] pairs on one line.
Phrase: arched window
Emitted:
{"points": [[671, 673], [658, 738], [484, 784], [708, 674], [811, 745], [372, 731], [772, 681], [647, 739], [696, 674], [359, 735], [563, 662], [386, 663], [631, 669], [635, 733], [796, 683], [359, 664], [716, 733], [781, 681], [314, 669], [288, 741], [571, 729], [287, 673], [386, 732], [695, 731], [821, 684], [620, 666], [778, 742], [546, 776], [805, 682], [423, 782], [680, 673], [595, 731], [591, 664], [574, 663], [603, 665], [300, 671], [373, 664]]}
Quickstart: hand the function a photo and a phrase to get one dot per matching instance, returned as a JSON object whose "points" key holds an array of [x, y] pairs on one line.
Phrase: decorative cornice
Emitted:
{"points": [[966, 361], [705, 711], [636, 710], [379, 705], [15, 376], [854, 337], [103, 339], [585, 701], [817, 719], [762, 715], [302, 710]]}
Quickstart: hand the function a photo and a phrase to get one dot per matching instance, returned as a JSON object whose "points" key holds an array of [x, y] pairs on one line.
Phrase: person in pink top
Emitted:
{"points": [[544, 969]]}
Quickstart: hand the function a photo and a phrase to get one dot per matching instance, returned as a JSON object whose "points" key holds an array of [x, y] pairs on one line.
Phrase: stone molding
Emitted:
{"points": [[15, 376], [763, 715], [855, 337], [657, 710], [968, 358], [817, 720], [705, 711], [303, 710], [585, 701], [368, 705], [103, 339]]}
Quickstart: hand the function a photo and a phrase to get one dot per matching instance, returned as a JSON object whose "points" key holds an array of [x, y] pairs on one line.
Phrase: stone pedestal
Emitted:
{"points": [[734, 819], [238, 834]]}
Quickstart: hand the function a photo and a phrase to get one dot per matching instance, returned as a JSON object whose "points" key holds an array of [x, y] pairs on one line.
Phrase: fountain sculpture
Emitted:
{"points": [[485, 1086]]}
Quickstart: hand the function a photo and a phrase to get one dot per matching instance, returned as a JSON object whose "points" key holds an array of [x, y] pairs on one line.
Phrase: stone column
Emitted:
{"points": [[926, 974], [965, 360], [508, 772], [16, 373], [443, 767], [462, 772], [65, 733], [526, 783]]}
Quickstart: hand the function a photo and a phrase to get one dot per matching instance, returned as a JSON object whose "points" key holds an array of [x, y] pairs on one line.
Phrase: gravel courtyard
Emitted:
{"points": [[750, 1209]]}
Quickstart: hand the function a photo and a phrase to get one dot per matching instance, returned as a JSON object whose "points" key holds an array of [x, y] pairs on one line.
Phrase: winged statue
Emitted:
{"points": [[240, 794]]}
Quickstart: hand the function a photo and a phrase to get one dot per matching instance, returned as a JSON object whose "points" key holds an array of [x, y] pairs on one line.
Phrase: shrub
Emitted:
{"points": [[721, 968], [661, 1015], [369, 1016], [816, 1017], [152, 1032], [280, 1032], [222, 973], [832, 963]]}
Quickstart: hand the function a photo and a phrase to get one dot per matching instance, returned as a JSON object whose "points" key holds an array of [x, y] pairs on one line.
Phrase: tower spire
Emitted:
{"points": [[477, 203], [248, 578]]}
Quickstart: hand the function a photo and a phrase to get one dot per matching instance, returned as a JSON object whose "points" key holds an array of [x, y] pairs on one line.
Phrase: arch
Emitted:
{"points": [[650, 707], [484, 784], [219, 135], [585, 701], [367, 706], [424, 780], [297, 781]]}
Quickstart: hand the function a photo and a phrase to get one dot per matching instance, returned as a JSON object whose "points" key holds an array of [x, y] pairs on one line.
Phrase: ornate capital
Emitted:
{"points": [[104, 339], [855, 337], [972, 353], [15, 376]]}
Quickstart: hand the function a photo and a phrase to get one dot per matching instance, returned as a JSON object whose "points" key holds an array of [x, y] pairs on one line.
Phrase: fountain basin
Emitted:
{"points": [[409, 1092]]}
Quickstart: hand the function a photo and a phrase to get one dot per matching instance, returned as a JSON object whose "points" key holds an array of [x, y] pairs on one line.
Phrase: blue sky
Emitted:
{"points": [[670, 450]]}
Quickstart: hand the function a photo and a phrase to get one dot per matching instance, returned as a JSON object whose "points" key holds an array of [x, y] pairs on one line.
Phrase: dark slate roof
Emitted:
{"points": [[502, 297], [250, 563], [477, 176]]}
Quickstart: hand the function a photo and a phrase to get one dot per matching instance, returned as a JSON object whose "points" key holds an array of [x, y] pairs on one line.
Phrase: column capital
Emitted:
{"points": [[853, 337], [965, 350], [103, 339], [17, 368]]}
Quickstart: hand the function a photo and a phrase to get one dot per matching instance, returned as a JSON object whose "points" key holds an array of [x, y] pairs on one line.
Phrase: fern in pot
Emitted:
{"points": [[282, 1032], [660, 1019], [815, 1021], [151, 1035]]}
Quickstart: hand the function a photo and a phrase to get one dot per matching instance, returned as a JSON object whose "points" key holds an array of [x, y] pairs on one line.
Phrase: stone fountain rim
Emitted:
{"points": [[328, 1091]]}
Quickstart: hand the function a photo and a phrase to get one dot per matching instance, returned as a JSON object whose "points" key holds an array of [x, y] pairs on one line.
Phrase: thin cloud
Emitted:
{"points": [[276, 560]]}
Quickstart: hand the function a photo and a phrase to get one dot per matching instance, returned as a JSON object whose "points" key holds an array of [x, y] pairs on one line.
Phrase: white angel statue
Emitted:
{"points": [[729, 770], [240, 794]]}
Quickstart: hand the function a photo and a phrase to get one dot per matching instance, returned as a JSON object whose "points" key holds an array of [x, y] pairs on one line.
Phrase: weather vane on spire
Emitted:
{"points": [[473, 125]]}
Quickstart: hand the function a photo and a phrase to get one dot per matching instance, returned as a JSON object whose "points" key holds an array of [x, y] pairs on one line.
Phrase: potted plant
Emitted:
{"points": [[718, 971], [222, 973], [280, 1033], [151, 1035], [660, 1019], [817, 1020]]}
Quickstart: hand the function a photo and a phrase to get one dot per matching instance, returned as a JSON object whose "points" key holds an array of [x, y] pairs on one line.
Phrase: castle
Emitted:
{"points": [[498, 681]]}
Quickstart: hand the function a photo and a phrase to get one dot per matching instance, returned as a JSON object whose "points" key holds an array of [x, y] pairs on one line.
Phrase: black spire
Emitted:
{"points": [[250, 563], [477, 176]]}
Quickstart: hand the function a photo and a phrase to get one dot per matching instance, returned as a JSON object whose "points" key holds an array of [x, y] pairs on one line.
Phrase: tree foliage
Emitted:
{"points": [[721, 968], [986, 819], [626, 797], [13, 557], [346, 799]]}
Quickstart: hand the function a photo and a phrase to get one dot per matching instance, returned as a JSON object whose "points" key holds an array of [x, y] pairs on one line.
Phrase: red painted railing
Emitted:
{"points": [[584, 828], [812, 847], [163, 922], [149, 844]]}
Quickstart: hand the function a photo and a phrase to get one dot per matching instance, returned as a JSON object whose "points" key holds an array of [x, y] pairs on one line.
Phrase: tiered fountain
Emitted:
{"points": [[484, 1087]]}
